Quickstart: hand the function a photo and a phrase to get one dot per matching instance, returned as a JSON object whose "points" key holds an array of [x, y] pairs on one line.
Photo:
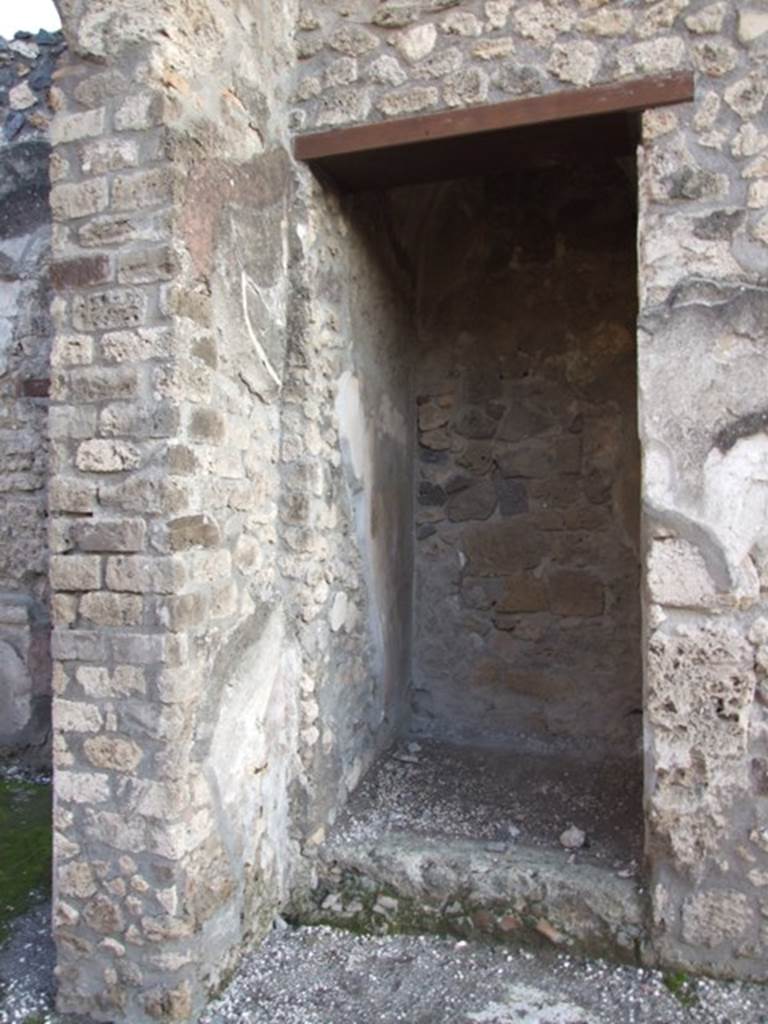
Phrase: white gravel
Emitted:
{"points": [[322, 976]]}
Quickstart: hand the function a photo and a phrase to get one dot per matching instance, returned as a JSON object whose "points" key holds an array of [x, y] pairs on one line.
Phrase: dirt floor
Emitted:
{"points": [[530, 799]]}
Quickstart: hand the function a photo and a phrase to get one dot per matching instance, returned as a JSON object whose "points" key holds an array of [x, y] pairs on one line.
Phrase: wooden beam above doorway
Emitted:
{"points": [[562, 125]]}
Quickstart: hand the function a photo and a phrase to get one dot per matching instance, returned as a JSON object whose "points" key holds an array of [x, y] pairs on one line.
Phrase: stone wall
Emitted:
{"points": [[26, 66], [177, 685], [527, 590], [703, 256], [229, 426], [347, 445]]}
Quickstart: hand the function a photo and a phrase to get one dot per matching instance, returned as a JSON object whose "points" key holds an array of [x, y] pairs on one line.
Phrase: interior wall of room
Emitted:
{"points": [[527, 607], [347, 443]]}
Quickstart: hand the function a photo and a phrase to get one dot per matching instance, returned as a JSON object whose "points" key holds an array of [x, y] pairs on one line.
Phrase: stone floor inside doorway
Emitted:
{"points": [[502, 799]]}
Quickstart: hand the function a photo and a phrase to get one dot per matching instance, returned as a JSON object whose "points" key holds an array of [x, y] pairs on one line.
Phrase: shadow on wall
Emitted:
{"points": [[27, 63]]}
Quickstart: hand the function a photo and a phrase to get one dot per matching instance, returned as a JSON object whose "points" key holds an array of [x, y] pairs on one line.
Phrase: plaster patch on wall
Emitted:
{"points": [[249, 287]]}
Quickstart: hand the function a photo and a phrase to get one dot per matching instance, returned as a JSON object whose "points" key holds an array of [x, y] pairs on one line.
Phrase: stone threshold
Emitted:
{"points": [[472, 889]]}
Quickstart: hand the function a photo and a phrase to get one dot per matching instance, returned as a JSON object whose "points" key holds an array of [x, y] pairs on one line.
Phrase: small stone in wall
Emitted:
{"points": [[475, 423], [747, 95], [338, 611], [476, 502], [476, 457], [353, 40], [344, 104], [409, 101], [307, 20], [21, 97], [523, 592], [576, 593], [652, 57], [417, 42], [715, 58], [707, 20], [519, 79], [342, 71], [575, 62], [430, 494], [439, 64], [608, 22], [513, 497], [386, 70], [432, 415], [465, 87], [461, 23], [395, 15], [492, 49], [753, 23], [543, 22], [497, 12]]}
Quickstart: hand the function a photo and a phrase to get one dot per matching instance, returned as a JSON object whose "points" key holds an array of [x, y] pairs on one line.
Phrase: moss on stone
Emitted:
{"points": [[25, 848]]}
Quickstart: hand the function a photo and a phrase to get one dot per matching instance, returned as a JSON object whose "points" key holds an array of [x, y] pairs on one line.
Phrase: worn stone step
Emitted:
{"points": [[410, 883]]}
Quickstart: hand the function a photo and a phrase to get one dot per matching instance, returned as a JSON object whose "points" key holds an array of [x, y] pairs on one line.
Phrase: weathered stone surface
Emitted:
{"points": [[232, 344]]}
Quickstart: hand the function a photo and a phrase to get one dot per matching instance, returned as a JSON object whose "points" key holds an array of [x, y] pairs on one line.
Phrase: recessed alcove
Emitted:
{"points": [[513, 614], [517, 302]]}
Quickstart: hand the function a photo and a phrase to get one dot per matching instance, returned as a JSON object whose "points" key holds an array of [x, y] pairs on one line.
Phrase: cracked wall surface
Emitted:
{"points": [[227, 534]]}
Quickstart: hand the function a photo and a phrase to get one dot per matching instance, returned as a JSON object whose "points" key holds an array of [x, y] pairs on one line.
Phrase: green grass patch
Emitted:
{"points": [[25, 848], [682, 987]]}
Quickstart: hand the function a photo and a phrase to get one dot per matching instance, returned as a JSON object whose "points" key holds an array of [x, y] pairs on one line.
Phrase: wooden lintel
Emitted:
{"points": [[472, 122]]}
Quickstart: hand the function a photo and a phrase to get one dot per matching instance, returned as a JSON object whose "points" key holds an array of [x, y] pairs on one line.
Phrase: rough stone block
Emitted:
{"points": [[71, 495], [710, 918], [576, 593], [139, 112], [503, 549], [141, 189], [74, 716], [115, 308], [75, 572], [193, 531], [145, 574], [113, 753], [144, 266], [80, 272], [72, 201], [106, 155], [523, 593], [71, 127], [108, 609], [474, 502], [111, 535], [79, 645], [104, 456]]}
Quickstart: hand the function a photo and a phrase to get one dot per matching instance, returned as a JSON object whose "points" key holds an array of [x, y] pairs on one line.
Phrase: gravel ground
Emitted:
{"points": [[26, 969], [322, 976]]}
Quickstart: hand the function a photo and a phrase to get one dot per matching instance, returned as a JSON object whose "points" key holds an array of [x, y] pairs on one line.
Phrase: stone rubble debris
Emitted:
{"points": [[573, 838]]}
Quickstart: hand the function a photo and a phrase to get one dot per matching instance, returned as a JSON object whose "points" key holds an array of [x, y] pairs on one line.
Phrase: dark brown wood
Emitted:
{"points": [[566, 124], [633, 96]]}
